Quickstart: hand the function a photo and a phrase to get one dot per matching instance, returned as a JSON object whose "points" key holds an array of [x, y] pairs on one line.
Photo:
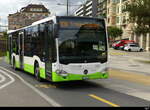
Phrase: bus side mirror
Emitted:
{"points": [[55, 33]]}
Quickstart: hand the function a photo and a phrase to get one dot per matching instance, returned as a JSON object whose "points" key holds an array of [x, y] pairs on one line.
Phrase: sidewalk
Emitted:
{"points": [[143, 58], [131, 61]]}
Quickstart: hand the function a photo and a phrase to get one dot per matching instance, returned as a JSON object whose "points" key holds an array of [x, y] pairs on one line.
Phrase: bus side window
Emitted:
{"points": [[41, 38], [27, 42]]}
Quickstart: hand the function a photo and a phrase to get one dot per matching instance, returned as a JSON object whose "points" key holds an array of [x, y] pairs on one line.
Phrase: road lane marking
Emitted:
{"points": [[103, 100], [117, 53], [2, 78], [8, 83], [46, 86], [44, 96]]}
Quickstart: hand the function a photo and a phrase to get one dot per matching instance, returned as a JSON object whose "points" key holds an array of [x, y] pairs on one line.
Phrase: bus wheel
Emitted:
{"points": [[14, 64], [37, 72]]}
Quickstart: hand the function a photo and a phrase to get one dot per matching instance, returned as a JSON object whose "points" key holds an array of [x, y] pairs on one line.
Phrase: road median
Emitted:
{"points": [[130, 76]]}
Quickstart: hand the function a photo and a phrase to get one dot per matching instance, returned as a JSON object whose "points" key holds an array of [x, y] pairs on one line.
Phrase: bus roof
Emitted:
{"points": [[48, 19]]}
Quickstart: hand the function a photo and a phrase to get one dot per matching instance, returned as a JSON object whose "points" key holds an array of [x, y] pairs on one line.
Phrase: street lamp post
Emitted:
{"points": [[67, 6]]}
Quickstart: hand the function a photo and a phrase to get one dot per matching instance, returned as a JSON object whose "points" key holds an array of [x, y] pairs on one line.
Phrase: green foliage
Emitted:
{"points": [[5, 35], [114, 32], [139, 12], [2, 53]]}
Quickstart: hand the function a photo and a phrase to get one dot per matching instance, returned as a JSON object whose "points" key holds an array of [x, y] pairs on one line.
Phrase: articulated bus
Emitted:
{"points": [[61, 48]]}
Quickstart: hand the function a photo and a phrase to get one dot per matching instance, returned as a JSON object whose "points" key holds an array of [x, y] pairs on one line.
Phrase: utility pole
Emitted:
{"points": [[67, 7]]}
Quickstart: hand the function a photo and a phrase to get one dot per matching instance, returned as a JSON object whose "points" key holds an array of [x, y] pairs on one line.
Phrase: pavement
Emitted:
{"points": [[127, 86], [136, 55], [143, 57], [14, 92], [130, 61], [112, 92]]}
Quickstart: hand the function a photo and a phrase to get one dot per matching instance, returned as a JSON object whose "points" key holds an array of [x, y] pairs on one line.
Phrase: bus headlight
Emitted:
{"points": [[62, 72]]}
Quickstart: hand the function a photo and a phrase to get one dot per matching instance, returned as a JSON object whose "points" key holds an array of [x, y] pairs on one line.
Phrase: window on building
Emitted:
{"points": [[114, 9], [36, 9], [117, 20], [117, 9], [108, 20], [124, 0], [124, 19], [108, 11]]}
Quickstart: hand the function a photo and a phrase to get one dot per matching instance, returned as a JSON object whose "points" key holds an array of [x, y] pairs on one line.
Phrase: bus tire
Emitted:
{"points": [[37, 72], [14, 63]]}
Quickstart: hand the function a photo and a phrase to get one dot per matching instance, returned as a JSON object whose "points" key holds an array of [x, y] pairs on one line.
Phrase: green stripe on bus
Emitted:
{"points": [[17, 64], [58, 78], [42, 73], [7, 57], [29, 68], [71, 77]]}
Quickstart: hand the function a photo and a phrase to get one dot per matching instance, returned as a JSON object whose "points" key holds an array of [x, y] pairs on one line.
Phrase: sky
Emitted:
{"points": [[12, 6]]}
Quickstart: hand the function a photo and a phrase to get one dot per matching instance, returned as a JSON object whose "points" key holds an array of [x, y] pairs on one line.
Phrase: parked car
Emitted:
{"points": [[121, 47], [133, 47], [120, 44]]}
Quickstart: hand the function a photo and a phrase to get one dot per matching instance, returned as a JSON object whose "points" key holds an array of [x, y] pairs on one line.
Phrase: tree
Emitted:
{"points": [[139, 13], [114, 32], [5, 35]]}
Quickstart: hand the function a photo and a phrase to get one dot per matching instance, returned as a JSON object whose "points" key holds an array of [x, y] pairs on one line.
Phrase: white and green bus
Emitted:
{"points": [[61, 48]]}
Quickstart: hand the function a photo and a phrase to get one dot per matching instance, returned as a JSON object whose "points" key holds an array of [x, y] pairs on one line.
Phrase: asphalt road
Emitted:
{"points": [[128, 61], [21, 89]]}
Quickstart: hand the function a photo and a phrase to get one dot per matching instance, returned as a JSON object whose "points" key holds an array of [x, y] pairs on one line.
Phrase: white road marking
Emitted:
{"points": [[8, 83], [2, 78], [47, 98]]}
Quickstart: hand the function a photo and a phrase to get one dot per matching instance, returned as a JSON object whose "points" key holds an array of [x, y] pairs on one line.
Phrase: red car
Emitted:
{"points": [[121, 43]]}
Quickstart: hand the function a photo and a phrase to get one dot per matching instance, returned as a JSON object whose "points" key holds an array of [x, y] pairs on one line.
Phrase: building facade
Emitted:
{"points": [[27, 15], [116, 16], [88, 9], [102, 8], [113, 11]]}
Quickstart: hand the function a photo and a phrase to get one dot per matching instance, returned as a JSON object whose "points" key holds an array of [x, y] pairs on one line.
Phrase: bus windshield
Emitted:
{"points": [[82, 41]]}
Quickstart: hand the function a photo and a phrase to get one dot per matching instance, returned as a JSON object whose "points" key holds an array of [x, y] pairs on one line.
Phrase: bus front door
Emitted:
{"points": [[21, 50], [48, 51]]}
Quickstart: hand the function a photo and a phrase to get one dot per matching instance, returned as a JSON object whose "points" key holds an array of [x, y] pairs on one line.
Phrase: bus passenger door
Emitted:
{"points": [[21, 50], [48, 51], [10, 48]]}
